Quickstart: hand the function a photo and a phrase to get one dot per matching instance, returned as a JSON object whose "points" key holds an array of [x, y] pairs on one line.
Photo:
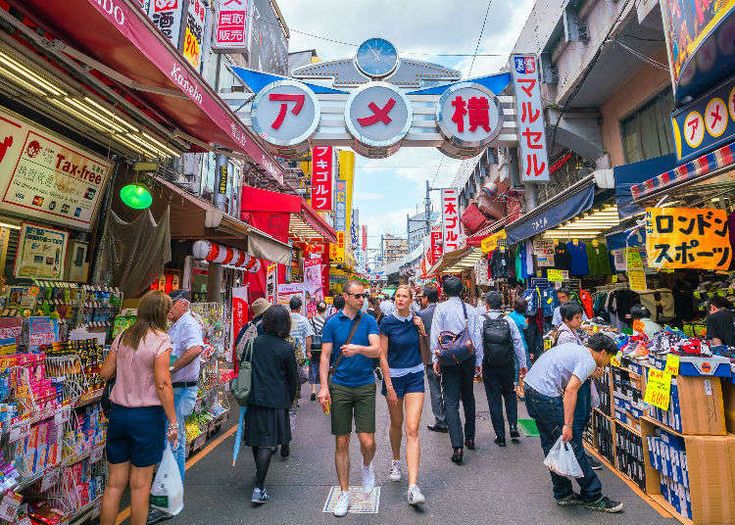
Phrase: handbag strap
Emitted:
{"points": [[466, 317], [353, 329], [247, 353]]}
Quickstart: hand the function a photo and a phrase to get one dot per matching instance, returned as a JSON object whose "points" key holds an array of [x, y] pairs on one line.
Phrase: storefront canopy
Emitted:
{"points": [[457, 261], [124, 43], [303, 223], [628, 175]]}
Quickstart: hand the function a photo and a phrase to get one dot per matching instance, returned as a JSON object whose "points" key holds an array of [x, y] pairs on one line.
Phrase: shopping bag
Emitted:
{"points": [[167, 492], [561, 460]]}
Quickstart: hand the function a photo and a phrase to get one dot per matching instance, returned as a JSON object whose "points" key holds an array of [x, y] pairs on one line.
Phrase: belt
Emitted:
{"points": [[184, 384]]}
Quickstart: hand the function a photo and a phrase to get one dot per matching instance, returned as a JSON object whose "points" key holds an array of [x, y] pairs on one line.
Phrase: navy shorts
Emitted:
{"points": [[137, 435], [408, 384]]}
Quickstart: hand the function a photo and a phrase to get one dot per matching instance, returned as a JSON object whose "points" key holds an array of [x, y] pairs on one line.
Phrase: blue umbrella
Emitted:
{"points": [[238, 435]]}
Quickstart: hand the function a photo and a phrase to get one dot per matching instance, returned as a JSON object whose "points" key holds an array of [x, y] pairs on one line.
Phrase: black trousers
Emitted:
{"points": [[457, 381], [499, 387]]}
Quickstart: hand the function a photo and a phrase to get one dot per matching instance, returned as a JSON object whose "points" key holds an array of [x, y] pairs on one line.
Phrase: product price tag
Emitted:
{"points": [[50, 479], [19, 430], [658, 389], [556, 276], [672, 364], [9, 506]]}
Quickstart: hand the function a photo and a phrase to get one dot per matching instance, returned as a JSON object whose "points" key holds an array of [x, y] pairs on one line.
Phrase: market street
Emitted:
{"points": [[509, 486]]}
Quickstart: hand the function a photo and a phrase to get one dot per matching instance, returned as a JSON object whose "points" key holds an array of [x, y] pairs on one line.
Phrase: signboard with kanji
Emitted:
{"points": [[437, 250], [191, 47], [530, 117], [489, 243], [688, 238], [166, 15], [322, 169], [232, 24], [451, 228]]}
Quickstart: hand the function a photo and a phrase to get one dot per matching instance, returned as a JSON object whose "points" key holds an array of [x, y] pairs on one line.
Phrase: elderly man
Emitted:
{"points": [[187, 342]]}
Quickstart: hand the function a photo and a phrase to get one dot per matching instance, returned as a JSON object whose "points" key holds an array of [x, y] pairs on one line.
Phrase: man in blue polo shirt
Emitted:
{"points": [[351, 389]]}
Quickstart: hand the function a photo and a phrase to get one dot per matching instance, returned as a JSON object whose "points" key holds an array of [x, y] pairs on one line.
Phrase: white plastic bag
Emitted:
{"points": [[561, 460], [167, 492]]}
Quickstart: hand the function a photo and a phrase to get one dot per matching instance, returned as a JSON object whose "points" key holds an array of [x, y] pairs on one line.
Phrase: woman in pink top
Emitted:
{"points": [[142, 399]]}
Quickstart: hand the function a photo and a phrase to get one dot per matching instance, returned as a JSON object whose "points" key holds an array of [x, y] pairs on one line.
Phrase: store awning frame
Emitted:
{"points": [[457, 261]]}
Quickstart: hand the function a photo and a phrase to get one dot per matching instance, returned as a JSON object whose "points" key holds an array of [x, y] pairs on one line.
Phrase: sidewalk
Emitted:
{"points": [[508, 486]]}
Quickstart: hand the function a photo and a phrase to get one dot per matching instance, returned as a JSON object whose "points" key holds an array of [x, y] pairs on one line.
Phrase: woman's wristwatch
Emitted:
{"points": [[172, 427]]}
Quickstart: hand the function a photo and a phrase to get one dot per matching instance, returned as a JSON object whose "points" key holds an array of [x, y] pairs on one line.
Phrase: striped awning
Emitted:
{"points": [[700, 167]]}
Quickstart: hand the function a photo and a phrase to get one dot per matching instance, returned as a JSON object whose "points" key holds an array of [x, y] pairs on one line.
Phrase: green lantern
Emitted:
{"points": [[136, 196]]}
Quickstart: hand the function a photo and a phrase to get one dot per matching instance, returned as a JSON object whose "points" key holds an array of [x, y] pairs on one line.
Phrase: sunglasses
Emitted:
{"points": [[359, 295]]}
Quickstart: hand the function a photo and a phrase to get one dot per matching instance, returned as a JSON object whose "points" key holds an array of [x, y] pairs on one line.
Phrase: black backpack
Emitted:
{"points": [[497, 342]]}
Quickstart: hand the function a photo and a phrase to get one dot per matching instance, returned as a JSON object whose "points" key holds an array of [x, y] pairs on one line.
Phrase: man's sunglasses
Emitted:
{"points": [[359, 295]]}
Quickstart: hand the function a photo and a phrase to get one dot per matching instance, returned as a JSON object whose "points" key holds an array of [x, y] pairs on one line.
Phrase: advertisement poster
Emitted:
{"points": [[47, 177], [191, 48], [695, 238], [166, 16], [271, 283], [286, 291], [232, 23], [240, 311], [41, 253], [543, 249], [313, 278], [42, 331]]}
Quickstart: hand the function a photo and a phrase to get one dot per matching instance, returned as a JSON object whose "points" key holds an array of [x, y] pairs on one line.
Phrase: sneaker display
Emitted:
{"points": [[415, 496], [260, 496], [343, 504], [569, 501], [368, 478], [395, 471], [605, 504]]}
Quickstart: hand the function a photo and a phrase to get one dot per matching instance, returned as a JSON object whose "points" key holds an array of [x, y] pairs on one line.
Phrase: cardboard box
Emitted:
{"points": [[702, 406], [729, 397], [711, 465]]}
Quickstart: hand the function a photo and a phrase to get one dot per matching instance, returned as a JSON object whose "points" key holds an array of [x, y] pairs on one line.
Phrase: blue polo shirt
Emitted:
{"points": [[403, 341], [356, 370]]}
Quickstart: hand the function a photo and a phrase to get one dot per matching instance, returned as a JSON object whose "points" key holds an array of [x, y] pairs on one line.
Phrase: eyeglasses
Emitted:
{"points": [[359, 295]]}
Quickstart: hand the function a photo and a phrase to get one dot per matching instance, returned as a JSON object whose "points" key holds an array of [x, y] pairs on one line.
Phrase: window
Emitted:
{"points": [[647, 132]]}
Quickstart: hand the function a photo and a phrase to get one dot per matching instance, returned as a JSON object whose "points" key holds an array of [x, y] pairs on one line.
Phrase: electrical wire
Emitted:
{"points": [[479, 37]]}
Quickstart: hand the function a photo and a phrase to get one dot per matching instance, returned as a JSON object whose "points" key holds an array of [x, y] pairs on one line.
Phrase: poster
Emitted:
{"points": [[271, 283], [191, 47], [313, 278], [42, 331], [688, 238], [543, 249], [41, 253], [47, 177], [286, 291]]}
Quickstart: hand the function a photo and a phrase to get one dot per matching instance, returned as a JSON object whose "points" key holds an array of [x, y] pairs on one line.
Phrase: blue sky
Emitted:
{"points": [[387, 189]]}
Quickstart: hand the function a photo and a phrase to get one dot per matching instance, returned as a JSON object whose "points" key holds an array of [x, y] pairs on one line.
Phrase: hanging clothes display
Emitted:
{"points": [[562, 260], [501, 264], [598, 258], [586, 299], [579, 265]]}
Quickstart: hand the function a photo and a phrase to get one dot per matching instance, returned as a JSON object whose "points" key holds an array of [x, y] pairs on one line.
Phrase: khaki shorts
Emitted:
{"points": [[349, 402]]}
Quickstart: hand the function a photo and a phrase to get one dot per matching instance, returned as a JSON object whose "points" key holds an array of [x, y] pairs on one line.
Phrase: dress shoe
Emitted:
{"points": [[514, 434], [285, 450], [499, 441], [457, 456], [437, 428], [470, 444]]}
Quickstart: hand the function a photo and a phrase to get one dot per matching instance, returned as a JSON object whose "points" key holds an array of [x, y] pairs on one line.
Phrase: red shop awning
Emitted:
{"points": [[119, 35], [304, 221]]}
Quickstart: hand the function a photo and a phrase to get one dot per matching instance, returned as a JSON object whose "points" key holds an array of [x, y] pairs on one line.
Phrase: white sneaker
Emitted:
{"points": [[414, 495], [368, 478], [343, 504], [395, 471]]}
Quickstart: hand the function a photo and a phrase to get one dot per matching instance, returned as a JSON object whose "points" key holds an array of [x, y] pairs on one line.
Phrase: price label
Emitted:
{"points": [[658, 389], [50, 479], [672, 364], [556, 276]]}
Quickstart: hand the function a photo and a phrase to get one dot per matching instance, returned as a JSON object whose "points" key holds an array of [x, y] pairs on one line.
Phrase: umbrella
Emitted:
{"points": [[238, 435]]}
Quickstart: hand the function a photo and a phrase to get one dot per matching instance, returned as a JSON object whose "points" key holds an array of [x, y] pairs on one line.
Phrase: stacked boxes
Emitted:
{"points": [[603, 427], [629, 455], [628, 397], [668, 455]]}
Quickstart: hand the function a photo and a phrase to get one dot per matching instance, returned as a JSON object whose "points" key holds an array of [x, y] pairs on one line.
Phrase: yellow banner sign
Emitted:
{"points": [[672, 364], [488, 244], [688, 238], [658, 389], [556, 276]]}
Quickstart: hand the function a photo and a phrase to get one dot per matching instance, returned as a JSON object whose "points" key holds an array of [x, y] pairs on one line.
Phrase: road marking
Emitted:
{"points": [[125, 513]]}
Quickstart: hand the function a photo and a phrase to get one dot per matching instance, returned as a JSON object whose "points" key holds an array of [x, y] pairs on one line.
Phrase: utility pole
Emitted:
{"points": [[427, 209]]}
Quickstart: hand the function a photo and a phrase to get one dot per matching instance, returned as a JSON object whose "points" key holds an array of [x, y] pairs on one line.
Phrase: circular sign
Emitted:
{"points": [[694, 129], [716, 117], [378, 117], [376, 58], [470, 117], [285, 114]]}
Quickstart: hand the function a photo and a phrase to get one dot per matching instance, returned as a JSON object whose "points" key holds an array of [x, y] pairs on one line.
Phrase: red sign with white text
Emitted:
{"points": [[364, 238], [450, 219], [436, 250], [530, 117], [322, 168], [231, 25]]}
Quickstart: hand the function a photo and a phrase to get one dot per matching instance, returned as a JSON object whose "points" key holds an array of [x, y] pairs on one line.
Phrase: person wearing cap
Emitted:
{"points": [[187, 342]]}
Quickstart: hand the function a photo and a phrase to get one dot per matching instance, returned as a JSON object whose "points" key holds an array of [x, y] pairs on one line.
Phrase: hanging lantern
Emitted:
{"points": [[136, 196]]}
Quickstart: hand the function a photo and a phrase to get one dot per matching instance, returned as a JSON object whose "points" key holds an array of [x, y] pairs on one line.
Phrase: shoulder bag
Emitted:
{"points": [[456, 348], [340, 355], [242, 385]]}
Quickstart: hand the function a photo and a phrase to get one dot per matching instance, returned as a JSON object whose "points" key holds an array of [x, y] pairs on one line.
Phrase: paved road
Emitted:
{"points": [[508, 486]]}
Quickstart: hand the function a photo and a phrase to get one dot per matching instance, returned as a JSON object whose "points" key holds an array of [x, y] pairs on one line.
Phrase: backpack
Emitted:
{"points": [[316, 339], [242, 385], [497, 342]]}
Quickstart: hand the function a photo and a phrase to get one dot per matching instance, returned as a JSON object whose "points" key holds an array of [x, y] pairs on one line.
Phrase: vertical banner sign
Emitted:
{"points": [[450, 219], [196, 16], [364, 238], [271, 283], [166, 16], [695, 238], [530, 118], [232, 24], [355, 228], [322, 159], [346, 161], [437, 249], [240, 311]]}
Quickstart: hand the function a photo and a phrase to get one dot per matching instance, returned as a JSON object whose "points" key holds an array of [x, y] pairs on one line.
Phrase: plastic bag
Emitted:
{"points": [[167, 492], [561, 460]]}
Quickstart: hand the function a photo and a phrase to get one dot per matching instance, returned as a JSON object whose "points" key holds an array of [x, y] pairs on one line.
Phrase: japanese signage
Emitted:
{"points": [[47, 177], [672, 364], [286, 291], [705, 124], [658, 389], [271, 283], [240, 311], [557, 276], [322, 168], [41, 253], [166, 16], [364, 238], [688, 238], [529, 115], [286, 114], [42, 331], [232, 23], [343, 203], [437, 249], [543, 249], [450, 219], [191, 47], [313, 278], [355, 228], [490, 242], [378, 116]]}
